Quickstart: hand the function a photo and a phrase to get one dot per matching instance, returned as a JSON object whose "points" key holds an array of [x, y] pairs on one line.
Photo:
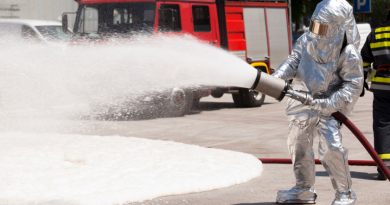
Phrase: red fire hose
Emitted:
{"points": [[377, 160], [317, 161]]}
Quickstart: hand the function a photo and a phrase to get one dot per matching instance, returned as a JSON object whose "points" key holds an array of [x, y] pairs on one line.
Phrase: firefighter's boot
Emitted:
{"points": [[297, 195], [345, 198]]}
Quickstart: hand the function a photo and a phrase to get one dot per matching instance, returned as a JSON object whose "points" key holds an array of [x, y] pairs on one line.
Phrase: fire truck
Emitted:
{"points": [[257, 31]]}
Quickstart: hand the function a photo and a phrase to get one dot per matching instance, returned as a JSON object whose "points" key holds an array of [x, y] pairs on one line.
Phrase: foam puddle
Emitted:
{"points": [[77, 169], [41, 87]]}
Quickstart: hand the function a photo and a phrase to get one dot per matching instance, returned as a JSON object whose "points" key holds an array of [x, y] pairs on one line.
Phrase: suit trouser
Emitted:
{"points": [[332, 154], [381, 125]]}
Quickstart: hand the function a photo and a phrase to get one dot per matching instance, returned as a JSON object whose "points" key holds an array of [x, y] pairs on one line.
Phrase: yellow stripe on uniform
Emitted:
{"points": [[382, 29], [380, 44], [366, 64], [382, 35], [380, 80], [384, 156]]}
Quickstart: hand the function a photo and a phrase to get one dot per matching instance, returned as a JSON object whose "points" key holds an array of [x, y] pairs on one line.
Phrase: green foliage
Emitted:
{"points": [[299, 8], [311, 4], [379, 9]]}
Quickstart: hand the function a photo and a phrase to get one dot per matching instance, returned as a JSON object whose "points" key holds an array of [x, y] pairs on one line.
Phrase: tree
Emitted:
{"points": [[379, 10], [300, 8], [297, 9]]}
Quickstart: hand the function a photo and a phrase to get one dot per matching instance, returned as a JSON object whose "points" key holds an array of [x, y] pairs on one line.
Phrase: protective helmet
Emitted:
{"points": [[331, 21]]}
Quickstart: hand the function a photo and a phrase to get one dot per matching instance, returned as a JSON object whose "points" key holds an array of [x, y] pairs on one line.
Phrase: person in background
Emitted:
{"points": [[376, 50]]}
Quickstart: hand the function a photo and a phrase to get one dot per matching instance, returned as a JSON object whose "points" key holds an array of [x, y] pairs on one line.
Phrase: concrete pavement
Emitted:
{"points": [[262, 132]]}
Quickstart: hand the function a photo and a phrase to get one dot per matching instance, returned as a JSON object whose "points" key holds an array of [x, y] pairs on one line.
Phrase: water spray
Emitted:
{"points": [[279, 88]]}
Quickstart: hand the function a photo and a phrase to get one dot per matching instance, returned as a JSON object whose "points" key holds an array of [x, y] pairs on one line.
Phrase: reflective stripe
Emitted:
{"points": [[380, 44], [366, 64], [382, 29], [384, 156], [381, 52], [379, 87], [381, 80], [382, 35]]}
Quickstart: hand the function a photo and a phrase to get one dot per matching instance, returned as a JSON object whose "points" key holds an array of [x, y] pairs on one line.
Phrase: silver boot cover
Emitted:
{"points": [[297, 195], [346, 198]]}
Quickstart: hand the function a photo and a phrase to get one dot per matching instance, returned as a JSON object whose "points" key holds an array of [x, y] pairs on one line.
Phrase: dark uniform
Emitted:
{"points": [[376, 50]]}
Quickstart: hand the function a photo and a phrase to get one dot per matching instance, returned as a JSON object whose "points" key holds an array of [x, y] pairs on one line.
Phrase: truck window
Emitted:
{"points": [[29, 34], [90, 20], [201, 16], [130, 16], [116, 19], [169, 18], [120, 16], [53, 33]]}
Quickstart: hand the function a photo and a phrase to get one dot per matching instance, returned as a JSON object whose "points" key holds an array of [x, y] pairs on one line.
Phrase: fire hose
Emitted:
{"points": [[278, 88], [317, 161]]}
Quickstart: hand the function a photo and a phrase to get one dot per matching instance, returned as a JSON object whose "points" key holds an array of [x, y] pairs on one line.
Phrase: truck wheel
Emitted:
{"points": [[217, 94], [180, 103], [238, 100], [252, 98], [195, 103]]}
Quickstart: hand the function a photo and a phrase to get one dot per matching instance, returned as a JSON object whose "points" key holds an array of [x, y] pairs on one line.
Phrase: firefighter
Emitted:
{"points": [[324, 62], [376, 50]]}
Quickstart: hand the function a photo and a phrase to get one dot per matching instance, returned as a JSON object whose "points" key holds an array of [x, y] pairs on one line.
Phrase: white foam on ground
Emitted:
{"points": [[78, 169]]}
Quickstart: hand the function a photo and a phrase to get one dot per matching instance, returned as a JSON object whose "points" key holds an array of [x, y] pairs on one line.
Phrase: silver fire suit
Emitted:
{"points": [[324, 62]]}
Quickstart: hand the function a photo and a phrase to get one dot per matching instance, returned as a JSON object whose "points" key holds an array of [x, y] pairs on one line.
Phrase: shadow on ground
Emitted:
{"points": [[154, 113], [206, 106], [262, 203]]}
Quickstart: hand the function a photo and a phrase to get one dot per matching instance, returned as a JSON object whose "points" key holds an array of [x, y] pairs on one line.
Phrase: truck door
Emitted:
{"points": [[279, 35], [203, 22], [256, 34]]}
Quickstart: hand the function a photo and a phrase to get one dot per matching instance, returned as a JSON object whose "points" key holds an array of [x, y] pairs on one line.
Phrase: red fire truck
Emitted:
{"points": [[257, 31]]}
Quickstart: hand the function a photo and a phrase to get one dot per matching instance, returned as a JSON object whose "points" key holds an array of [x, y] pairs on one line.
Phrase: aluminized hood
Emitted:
{"points": [[331, 21]]}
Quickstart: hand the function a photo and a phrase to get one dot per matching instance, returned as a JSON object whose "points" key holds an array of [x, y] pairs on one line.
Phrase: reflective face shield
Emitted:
{"points": [[318, 28]]}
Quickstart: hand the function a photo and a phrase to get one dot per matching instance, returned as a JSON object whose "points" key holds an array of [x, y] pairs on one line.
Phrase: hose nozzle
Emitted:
{"points": [[278, 88], [270, 85], [302, 96]]}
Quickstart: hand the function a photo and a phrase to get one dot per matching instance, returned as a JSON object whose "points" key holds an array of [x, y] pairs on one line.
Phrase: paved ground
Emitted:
{"points": [[258, 131], [261, 132]]}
